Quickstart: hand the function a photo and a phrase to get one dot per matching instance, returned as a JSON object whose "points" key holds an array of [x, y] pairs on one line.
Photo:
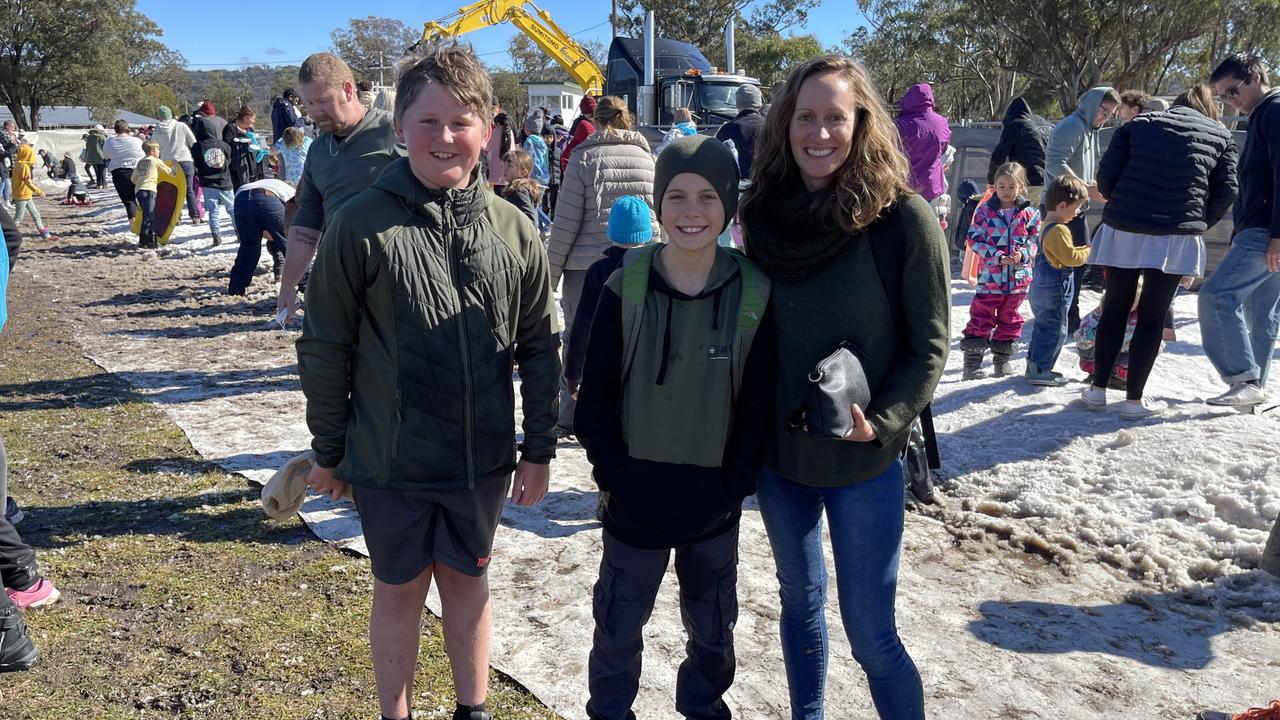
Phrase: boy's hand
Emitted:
{"points": [[862, 430], [323, 482], [530, 483]]}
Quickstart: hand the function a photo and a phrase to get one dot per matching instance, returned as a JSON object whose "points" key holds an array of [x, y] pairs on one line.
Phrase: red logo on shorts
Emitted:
{"points": [[483, 562]]}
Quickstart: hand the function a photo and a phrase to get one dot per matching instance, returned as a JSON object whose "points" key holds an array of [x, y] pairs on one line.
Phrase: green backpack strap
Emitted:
{"points": [[635, 286], [751, 307]]}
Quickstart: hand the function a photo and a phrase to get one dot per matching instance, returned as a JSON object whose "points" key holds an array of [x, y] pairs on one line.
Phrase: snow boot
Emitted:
{"points": [[1001, 351], [974, 348], [16, 650]]}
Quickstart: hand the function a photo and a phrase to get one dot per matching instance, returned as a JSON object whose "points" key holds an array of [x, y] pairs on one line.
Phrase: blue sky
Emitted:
{"points": [[226, 36]]}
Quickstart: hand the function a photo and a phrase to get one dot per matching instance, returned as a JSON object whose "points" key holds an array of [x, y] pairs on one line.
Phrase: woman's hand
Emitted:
{"points": [[862, 430]]}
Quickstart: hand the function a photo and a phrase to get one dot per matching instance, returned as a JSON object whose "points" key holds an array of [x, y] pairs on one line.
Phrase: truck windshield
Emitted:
{"points": [[718, 97]]}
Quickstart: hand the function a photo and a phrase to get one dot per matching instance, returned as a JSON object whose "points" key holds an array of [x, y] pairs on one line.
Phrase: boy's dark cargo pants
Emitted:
{"points": [[623, 600]]}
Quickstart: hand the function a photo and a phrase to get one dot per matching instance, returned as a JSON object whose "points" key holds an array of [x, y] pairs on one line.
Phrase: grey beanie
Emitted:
{"points": [[701, 155], [748, 96]]}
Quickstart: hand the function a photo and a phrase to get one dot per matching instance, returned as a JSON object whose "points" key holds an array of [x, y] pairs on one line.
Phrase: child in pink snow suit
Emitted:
{"points": [[1004, 236]]}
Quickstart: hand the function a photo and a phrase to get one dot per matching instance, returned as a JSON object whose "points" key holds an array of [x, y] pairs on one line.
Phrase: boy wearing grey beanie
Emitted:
{"points": [[673, 411]]}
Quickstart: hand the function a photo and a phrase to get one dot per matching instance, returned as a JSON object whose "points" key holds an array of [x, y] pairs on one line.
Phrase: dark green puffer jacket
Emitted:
{"points": [[419, 304]]}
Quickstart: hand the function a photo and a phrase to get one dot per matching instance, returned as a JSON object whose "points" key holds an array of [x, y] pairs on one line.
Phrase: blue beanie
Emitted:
{"points": [[630, 221]]}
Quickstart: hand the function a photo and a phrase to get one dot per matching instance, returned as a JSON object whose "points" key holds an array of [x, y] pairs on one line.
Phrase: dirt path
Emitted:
{"points": [[996, 633]]}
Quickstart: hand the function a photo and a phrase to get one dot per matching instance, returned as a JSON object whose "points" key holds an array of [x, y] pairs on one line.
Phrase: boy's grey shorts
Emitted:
{"points": [[407, 530]]}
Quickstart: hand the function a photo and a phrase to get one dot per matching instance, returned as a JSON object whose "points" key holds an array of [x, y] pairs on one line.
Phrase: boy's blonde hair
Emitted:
{"points": [[1015, 171], [450, 63], [151, 146], [522, 162], [292, 137], [1064, 189]]}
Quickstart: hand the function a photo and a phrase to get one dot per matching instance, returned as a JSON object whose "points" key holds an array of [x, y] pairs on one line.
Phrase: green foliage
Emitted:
{"points": [[508, 91], [371, 42], [771, 56], [981, 53], [101, 53]]}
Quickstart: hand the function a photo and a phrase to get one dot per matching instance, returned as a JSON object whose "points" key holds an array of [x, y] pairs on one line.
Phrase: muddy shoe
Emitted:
{"points": [[16, 650]]}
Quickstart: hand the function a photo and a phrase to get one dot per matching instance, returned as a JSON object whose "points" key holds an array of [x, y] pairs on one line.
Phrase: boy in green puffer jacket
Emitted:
{"points": [[428, 290], [674, 406]]}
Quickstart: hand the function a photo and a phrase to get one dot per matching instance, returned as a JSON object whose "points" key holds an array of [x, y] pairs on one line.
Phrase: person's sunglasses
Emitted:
{"points": [[1233, 92]]}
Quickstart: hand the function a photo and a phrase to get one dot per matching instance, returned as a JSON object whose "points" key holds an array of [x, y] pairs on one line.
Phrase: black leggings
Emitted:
{"points": [[1157, 295]]}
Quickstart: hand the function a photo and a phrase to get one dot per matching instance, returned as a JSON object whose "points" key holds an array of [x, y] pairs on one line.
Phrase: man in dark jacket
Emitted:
{"points": [[1240, 301], [284, 114], [212, 159], [1022, 140], [744, 128]]}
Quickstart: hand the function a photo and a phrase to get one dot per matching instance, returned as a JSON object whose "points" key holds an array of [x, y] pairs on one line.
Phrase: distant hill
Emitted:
{"points": [[254, 86]]}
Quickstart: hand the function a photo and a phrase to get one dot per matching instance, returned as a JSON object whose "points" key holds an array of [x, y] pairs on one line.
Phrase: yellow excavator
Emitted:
{"points": [[534, 22]]}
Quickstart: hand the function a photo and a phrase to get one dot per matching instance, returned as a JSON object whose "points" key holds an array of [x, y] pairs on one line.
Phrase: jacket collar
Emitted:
{"points": [[463, 205], [614, 137], [1022, 203], [1273, 95]]}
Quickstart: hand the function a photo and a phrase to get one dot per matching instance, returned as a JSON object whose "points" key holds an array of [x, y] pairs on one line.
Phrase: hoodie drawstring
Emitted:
{"points": [[666, 344]]}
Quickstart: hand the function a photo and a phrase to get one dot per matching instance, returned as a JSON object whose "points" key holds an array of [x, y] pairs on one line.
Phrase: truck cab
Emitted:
{"points": [[683, 78]]}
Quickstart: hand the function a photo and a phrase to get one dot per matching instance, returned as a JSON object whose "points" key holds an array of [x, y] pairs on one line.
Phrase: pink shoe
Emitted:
{"points": [[39, 595]]}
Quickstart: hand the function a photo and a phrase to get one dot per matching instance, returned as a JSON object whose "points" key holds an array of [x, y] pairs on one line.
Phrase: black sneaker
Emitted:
{"points": [[12, 512], [16, 650]]}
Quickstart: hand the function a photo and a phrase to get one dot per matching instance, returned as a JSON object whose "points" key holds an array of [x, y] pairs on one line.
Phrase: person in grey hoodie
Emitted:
{"points": [[1073, 148], [175, 140]]}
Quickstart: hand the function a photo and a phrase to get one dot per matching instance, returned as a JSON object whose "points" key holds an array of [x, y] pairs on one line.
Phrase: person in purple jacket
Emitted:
{"points": [[925, 135]]}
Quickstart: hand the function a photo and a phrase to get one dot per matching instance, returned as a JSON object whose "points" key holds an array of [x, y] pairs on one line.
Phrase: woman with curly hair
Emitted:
{"points": [[856, 259]]}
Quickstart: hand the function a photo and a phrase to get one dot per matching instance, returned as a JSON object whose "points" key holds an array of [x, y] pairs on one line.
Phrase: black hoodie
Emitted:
{"points": [[1023, 141], [211, 155], [1258, 205]]}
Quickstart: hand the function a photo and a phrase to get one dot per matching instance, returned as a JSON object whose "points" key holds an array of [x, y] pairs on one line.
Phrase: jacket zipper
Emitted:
{"points": [[468, 409]]}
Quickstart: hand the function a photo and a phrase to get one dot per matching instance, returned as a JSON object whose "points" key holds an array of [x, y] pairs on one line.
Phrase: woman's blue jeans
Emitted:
{"points": [[865, 520]]}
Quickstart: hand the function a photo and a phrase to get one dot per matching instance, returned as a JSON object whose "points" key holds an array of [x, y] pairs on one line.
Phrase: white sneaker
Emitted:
{"points": [[1140, 409], [1094, 398], [1241, 394]]}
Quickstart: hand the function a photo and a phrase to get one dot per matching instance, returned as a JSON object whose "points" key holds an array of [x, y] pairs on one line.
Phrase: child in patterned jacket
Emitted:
{"points": [[1004, 235]]}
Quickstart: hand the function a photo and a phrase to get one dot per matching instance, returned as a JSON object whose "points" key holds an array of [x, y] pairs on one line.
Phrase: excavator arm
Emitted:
{"points": [[538, 25]]}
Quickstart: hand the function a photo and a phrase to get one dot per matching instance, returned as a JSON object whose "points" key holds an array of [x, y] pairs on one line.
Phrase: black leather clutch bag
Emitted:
{"points": [[835, 383]]}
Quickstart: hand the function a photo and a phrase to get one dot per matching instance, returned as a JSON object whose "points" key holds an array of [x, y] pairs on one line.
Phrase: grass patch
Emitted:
{"points": [[180, 597]]}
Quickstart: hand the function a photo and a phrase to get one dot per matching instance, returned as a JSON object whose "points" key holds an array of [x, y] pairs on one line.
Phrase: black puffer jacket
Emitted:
{"points": [[1168, 173], [1023, 140]]}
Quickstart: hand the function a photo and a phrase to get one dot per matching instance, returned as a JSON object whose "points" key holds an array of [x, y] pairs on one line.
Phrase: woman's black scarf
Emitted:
{"points": [[794, 236]]}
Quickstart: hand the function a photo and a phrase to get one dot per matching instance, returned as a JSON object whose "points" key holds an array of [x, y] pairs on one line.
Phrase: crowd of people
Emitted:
{"points": [[440, 232]]}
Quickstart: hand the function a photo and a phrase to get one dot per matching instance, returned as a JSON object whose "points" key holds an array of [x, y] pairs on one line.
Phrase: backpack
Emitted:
{"points": [[920, 455], [635, 286]]}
